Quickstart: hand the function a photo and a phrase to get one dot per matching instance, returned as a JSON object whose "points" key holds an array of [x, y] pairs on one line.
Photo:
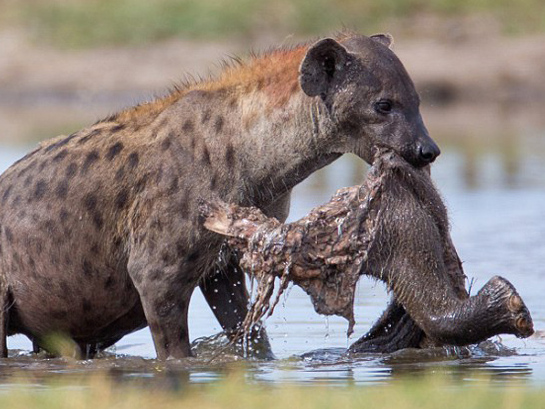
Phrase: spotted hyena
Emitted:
{"points": [[99, 230]]}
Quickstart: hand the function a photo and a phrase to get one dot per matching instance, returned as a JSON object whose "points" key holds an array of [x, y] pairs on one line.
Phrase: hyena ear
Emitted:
{"points": [[384, 39], [321, 65]]}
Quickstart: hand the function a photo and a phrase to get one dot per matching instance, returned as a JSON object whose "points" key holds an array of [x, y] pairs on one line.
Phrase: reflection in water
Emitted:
{"points": [[506, 150], [461, 363], [325, 366], [468, 370]]}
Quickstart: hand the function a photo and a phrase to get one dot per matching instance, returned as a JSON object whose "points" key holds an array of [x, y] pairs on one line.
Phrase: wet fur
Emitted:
{"points": [[393, 228]]}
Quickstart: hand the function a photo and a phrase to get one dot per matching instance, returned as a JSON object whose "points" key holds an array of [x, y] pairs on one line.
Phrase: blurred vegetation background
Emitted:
{"points": [[68, 63], [88, 23]]}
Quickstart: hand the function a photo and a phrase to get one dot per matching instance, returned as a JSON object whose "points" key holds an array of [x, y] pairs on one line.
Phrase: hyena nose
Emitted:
{"points": [[428, 152]]}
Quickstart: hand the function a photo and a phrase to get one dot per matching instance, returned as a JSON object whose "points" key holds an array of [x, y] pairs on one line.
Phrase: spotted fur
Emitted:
{"points": [[99, 233]]}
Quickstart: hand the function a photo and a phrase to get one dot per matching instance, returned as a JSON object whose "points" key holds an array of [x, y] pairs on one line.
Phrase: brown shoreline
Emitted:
{"points": [[478, 81]]}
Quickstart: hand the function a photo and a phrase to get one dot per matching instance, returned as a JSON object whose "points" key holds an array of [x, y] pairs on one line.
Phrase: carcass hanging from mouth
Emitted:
{"points": [[393, 227]]}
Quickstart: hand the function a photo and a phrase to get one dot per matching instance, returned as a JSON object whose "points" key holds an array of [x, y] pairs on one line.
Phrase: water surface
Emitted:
{"points": [[496, 199]]}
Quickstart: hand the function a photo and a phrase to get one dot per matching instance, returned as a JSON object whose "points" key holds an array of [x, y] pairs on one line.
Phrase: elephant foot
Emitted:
{"points": [[498, 306], [496, 309], [514, 317]]}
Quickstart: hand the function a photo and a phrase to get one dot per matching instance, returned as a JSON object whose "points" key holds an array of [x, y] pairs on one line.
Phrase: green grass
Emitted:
{"points": [[85, 23], [234, 392]]}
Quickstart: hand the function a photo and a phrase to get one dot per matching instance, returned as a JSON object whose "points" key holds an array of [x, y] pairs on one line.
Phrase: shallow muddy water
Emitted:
{"points": [[496, 199]]}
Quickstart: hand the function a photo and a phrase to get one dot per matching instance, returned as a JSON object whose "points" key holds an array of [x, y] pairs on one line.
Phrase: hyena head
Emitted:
{"points": [[369, 97]]}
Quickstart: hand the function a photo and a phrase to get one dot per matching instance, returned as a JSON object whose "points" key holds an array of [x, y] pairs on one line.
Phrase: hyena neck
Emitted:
{"points": [[276, 142], [266, 134], [280, 148], [259, 134]]}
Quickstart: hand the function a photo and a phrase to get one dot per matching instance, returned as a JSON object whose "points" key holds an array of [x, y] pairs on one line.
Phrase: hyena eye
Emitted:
{"points": [[384, 106]]}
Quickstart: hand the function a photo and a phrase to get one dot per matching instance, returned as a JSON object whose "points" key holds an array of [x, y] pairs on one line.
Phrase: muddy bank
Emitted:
{"points": [[46, 91]]}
